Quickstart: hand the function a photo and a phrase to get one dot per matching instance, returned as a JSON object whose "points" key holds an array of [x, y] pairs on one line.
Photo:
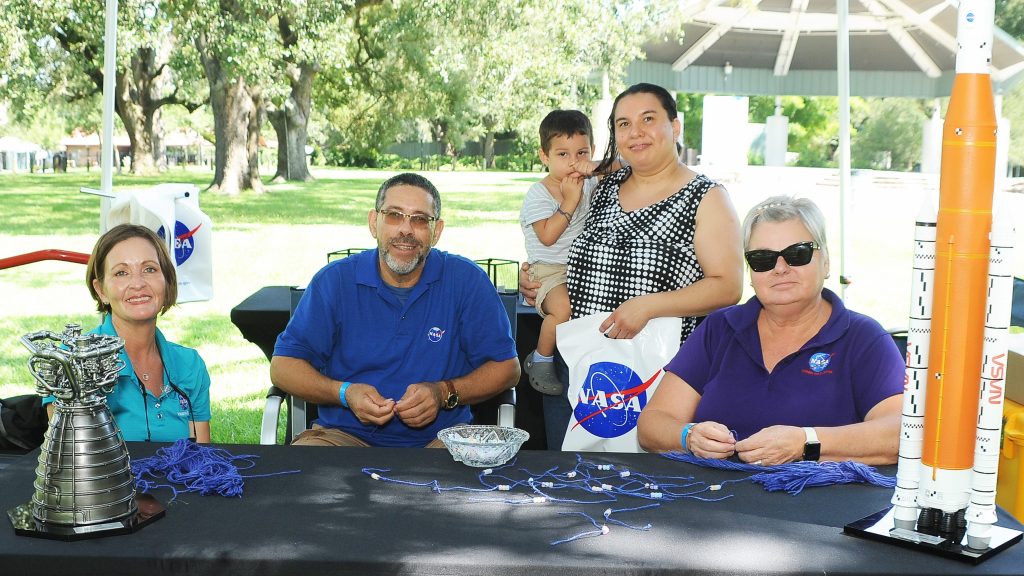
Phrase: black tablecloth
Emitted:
{"points": [[332, 519], [263, 315]]}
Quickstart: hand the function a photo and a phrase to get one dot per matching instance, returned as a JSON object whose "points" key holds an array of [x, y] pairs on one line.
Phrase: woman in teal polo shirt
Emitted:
{"points": [[163, 392]]}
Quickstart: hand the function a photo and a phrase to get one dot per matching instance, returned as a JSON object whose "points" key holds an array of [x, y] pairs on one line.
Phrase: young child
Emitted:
{"points": [[553, 214]]}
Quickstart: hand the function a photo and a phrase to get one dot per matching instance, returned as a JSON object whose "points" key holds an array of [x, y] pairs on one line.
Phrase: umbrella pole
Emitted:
{"points": [[843, 73], [109, 77]]}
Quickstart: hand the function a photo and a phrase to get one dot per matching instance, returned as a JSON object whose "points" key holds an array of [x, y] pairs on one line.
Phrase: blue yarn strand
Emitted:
{"points": [[198, 468], [795, 476]]}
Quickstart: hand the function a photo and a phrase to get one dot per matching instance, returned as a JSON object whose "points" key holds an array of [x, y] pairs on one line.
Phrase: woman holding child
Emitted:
{"points": [[660, 240]]}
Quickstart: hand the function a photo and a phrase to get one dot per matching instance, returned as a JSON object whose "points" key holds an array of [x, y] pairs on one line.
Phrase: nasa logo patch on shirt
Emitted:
{"points": [[611, 399], [819, 362], [183, 402], [435, 334]]}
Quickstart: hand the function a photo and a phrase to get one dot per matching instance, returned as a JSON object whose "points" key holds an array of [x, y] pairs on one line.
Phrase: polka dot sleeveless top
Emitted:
{"points": [[622, 254]]}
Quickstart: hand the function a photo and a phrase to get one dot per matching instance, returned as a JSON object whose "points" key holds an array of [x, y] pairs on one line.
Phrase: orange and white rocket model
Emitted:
{"points": [[960, 310]]}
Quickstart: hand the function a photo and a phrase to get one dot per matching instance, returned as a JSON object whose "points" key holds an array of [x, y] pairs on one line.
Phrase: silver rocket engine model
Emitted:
{"points": [[84, 487]]}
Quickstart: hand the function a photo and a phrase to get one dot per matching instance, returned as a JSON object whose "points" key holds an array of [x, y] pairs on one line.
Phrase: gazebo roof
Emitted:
{"points": [[897, 48]]}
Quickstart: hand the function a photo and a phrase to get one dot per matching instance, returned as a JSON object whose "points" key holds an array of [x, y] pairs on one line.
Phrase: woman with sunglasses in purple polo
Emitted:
{"points": [[789, 375]]}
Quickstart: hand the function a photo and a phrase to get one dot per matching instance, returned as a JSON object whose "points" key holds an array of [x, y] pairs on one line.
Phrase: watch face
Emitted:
{"points": [[812, 451], [452, 401]]}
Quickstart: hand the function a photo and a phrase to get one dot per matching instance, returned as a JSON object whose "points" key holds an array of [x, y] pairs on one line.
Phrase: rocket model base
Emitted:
{"points": [[880, 527]]}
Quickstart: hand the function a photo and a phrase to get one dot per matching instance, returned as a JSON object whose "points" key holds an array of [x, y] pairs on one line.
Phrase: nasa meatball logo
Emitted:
{"points": [[611, 399], [184, 241], [819, 362], [435, 334]]}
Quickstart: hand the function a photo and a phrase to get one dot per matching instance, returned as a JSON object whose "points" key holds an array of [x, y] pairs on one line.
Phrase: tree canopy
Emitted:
{"points": [[349, 78]]}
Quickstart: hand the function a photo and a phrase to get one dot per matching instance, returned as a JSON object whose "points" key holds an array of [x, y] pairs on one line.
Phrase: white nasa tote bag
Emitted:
{"points": [[173, 207], [610, 381]]}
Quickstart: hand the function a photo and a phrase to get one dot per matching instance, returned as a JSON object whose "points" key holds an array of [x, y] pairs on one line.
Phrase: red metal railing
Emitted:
{"points": [[40, 255]]}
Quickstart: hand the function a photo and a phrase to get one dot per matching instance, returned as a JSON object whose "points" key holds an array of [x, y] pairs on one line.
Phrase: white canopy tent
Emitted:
{"points": [[16, 154]]}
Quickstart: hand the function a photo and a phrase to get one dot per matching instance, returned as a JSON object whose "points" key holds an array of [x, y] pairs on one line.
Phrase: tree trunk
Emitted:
{"points": [[137, 102], [291, 122], [489, 150], [257, 112], [234, 115], [136, 124]]}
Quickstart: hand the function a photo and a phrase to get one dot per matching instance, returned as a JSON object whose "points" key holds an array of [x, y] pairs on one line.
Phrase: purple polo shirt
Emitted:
{"points": [[835, 379]]}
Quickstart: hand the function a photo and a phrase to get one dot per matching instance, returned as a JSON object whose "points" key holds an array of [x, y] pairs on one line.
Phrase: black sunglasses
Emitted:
{"points": [[798, 254]]}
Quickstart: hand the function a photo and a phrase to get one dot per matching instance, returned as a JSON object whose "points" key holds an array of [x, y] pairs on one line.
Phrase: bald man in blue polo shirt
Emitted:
{"points": [[394, 344]]}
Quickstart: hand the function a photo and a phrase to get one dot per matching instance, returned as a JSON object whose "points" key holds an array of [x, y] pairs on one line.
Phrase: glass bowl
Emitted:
{"points": [[482, 446]]}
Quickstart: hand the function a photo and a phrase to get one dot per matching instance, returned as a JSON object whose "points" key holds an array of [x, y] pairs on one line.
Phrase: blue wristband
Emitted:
{"points": [[682, 437], [341, 393]]}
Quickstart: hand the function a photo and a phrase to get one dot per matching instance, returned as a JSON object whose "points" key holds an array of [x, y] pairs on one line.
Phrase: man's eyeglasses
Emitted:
{"points": [[395, 218], [798, 254]]}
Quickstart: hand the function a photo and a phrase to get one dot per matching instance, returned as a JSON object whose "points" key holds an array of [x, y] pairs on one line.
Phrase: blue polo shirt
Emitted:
{"points": [[142, 416], [835, 379], [350, 326]]}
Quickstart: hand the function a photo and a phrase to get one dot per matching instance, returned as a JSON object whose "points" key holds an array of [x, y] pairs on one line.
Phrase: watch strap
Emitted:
{"points": [[812, 447], [451, 395]]}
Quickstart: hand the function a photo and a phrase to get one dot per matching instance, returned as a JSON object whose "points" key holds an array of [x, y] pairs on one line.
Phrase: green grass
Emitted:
{"points": [[279, 237], [44, 204]]}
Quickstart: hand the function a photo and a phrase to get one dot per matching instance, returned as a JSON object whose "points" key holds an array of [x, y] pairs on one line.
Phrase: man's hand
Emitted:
{"points": [[772, 446], [368, 405], [419, 405], [528, 288]]}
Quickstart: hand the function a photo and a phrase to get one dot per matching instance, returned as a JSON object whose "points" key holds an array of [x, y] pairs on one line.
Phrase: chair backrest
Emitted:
{"points": [[301, 414]]}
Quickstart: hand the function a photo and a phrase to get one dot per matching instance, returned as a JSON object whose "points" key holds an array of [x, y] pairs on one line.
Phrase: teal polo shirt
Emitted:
{"points": [[143, 416]]}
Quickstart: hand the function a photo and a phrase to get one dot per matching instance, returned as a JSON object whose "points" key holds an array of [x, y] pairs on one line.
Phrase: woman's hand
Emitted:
{"points": [[772, 446], [528, 288], [710, 440], [627, 320]]}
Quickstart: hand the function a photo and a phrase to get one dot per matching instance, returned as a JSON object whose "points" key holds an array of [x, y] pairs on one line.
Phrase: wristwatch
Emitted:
{"points": [[812, 448], [450, 395]]}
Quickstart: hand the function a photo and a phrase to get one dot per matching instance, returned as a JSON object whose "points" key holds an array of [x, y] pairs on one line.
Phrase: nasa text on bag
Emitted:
{"points": [[610, 381]]}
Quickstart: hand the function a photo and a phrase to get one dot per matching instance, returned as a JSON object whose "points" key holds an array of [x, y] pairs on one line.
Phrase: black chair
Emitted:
{"points": [[301, 414], [23, 423]]}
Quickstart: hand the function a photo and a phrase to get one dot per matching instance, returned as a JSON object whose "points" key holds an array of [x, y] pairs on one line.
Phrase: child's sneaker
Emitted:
{"points": [[542, 376]]}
